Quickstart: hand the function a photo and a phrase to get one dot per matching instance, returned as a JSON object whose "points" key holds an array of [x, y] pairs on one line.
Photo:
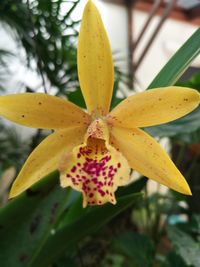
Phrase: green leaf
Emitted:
{"points": [[26, 221], [174, 260], [193, 82], [76, 97], [29, 224], [175, 67], [137, 247], [192, 138], [76, 210], [65, 262], [195, 224], [115, 99], [86, 224], [185, 246], [185, 125], [134, 187]]}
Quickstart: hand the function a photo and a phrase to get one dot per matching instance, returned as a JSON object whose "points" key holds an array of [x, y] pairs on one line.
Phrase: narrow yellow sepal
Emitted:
{"points": [[95, 66], [147, 157], [154, 107], [43, 111], [45, 158]]}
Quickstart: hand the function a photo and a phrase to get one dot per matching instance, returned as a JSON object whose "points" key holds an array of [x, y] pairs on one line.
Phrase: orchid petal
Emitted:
{"points": [[154, 107], [46, 156], [146, 156], [95, 67], [39, 110], [95, 168]]}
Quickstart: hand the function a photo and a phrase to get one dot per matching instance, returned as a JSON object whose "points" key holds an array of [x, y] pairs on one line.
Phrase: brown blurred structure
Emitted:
{"points": [[186, 11]]}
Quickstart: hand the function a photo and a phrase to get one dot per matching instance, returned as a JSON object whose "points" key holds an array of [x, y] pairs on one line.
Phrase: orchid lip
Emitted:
{"points": [[95, 168]]}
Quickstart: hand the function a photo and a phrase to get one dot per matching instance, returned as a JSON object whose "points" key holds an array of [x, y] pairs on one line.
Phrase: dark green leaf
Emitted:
{"points": [[134, 187], [193, 82], [76, 97], [185, 246], [26, 222], [76, 210], [174, 260], [137, 247], [175, 67], [191, 138], [185, 125], [115, 99], [92, 220]]}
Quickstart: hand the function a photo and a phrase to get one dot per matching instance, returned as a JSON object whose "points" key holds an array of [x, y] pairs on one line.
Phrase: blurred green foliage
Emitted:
{"points": [[48, 36], [31, 228], [4, 59]]}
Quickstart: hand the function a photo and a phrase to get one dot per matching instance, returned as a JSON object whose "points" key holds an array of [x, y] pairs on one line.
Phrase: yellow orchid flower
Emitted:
{"points": [[94, 151]]}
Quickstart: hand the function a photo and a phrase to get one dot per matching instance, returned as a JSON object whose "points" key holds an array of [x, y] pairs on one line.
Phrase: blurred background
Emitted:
{"points": [[38, 42]]}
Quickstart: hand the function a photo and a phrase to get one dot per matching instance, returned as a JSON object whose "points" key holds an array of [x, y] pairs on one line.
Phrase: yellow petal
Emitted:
{"points": [[154, 107], [41, 111], [46, 156], [146, 156], [95, 168], [95, 67]]}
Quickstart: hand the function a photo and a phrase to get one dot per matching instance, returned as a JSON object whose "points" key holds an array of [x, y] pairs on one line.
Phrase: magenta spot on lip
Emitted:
{"points": [[110, 175], [94, 173], [73, 169], [95, 180], [101, 192], [88, 159], [84, 187]]}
